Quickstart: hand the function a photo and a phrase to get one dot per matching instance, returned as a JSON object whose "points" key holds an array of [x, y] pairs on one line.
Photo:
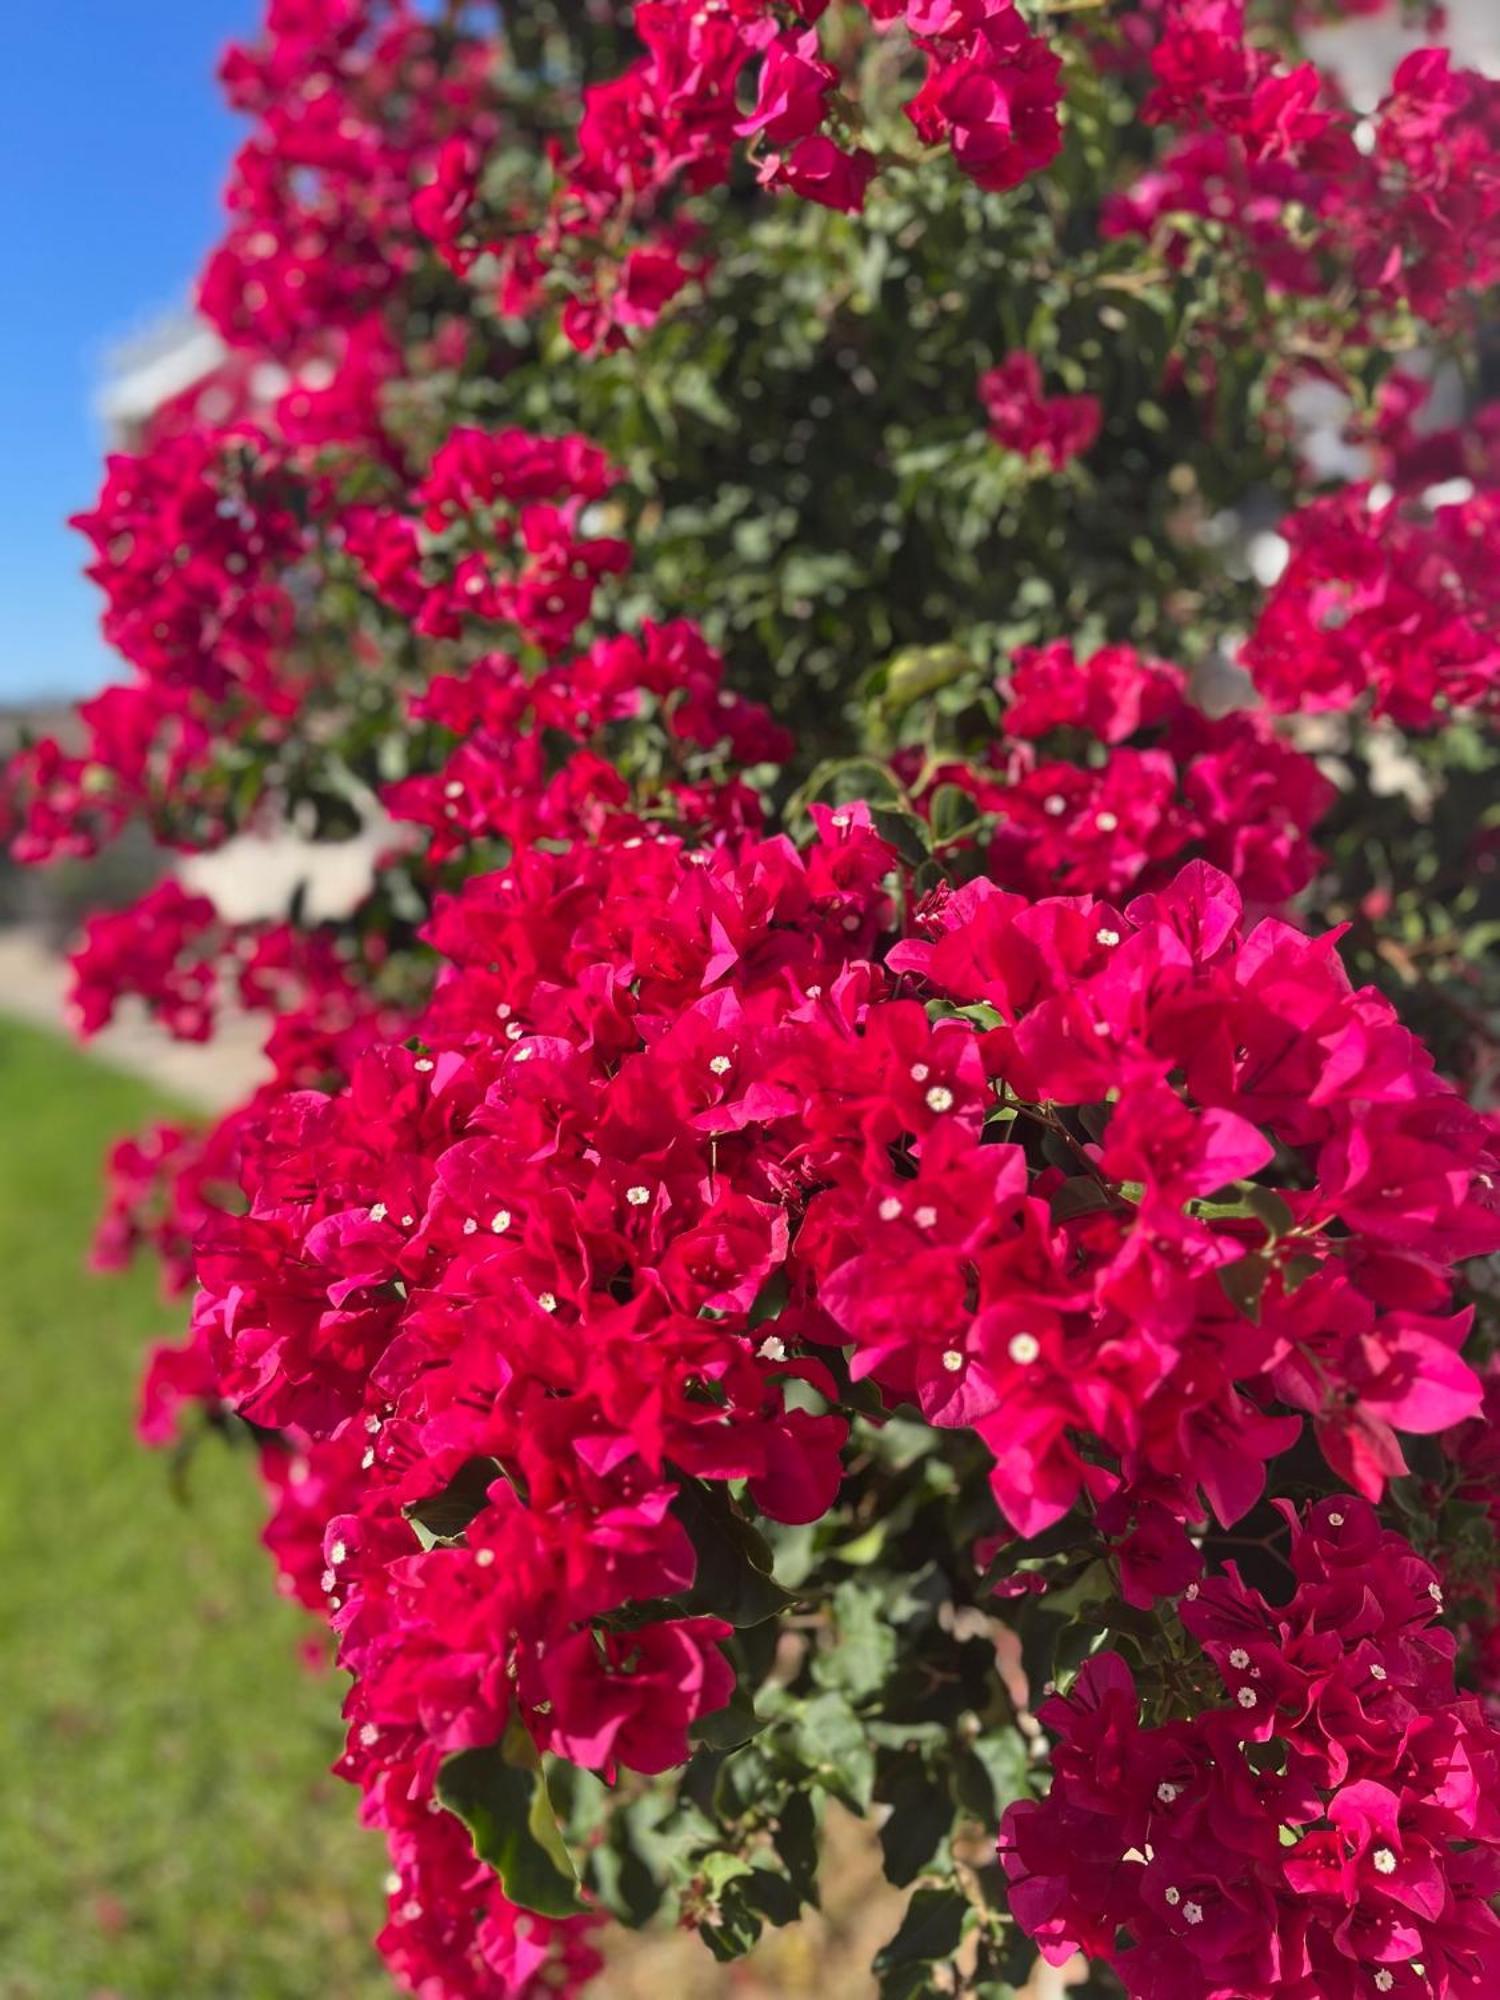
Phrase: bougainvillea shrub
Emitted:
{"points": [[889, 1195]]}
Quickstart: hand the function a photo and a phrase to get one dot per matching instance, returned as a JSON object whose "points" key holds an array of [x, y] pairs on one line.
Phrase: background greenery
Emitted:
{"points": [[169, 1828]]}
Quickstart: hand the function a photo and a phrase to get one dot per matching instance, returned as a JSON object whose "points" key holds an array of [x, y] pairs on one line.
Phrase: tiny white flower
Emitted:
{"points": [[1385, 1861], [514, 1032], [1378, 1673], [547, 1301], [638, 1196], [919, 1072], [1385, 1979], [720, 1064], [372, 1424], [1435, 1592], [1054, 803], [840, 820], [1193, 1912], [525, 1055], [392, 1884], [408, 1222], [1246, 1697], [411, 1911], [1024, 1349], [925, 1218], [1173, 1896], [453, 789], [369, 1734], [889, 1209], [953, 1361], [772, 1348], [470, 1225], [1106, 936], [503, 1011], [484, 1557], [328, 1581], [423, 1065], [1239, 1658], [1335, 1520], [1166, 1793], [500, 1221], [338, 1553], [1191, 1592], [1106, 821], [851, 922], [379, 1212], [939, 1098]]}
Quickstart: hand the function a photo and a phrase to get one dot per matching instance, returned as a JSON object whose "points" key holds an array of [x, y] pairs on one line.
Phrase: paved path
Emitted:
{"points": [[205, 1076]]}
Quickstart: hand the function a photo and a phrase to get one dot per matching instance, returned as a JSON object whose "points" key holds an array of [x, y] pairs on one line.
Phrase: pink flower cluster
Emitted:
{"points": [[1411, 219], [491, 502], [538, 1238], [1322, 1824], [1056, 429], [668, 126], [351, 102], [509, 779], [1170, 783], [1384, 596]]}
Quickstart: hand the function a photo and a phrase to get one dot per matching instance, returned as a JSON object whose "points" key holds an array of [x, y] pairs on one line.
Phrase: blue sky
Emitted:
{"points": [[113, 147]]}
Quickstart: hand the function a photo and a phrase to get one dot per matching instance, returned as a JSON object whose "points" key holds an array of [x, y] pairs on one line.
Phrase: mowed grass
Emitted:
{"points": [[167, 1824]]}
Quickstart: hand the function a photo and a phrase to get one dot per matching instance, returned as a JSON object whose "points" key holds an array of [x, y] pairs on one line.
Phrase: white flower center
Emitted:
{"points": [[1024, 1348], [953, 1361], [939, 1098]]}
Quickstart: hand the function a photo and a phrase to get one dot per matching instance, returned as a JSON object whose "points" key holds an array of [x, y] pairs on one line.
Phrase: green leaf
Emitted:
{"points": [[832, 1742], [444, 1516], [1270, 1210], [909, 835], [921, 1815], [1082, 1195], [1245, 1281], [500, 1794], [864, 1648], [727, 1728], [953, 813], [733, 1579], [930, 1931], [795, 1838]]}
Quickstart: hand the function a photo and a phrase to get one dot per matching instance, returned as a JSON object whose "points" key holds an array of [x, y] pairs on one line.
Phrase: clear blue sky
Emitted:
{"points": [[113, 147]]}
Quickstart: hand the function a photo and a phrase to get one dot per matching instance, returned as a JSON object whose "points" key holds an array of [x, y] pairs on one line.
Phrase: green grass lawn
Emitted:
{"points": [[167, 1827]]}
